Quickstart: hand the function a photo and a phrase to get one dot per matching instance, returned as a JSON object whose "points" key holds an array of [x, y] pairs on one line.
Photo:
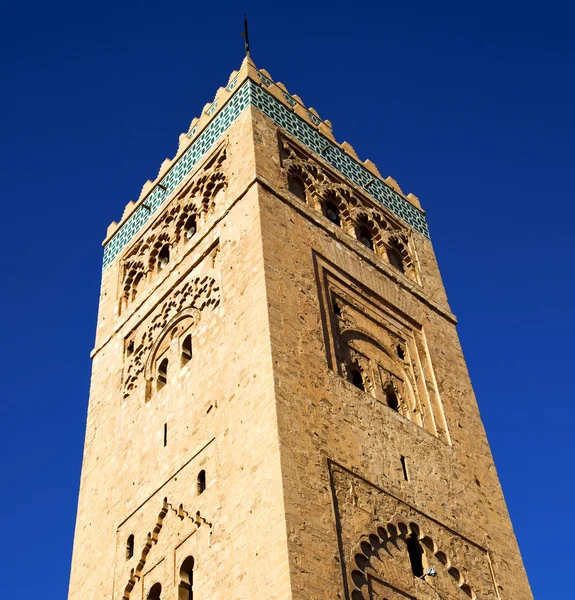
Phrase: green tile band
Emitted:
{"points": [[251, 93]]}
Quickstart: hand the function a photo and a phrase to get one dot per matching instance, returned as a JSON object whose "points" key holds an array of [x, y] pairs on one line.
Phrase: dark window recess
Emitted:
{"points": [[394, 258], [190, 227], [162, 373], [186, 588], [201, 482], [130, 547], [332, 213], [164, 256], [404, 467], [155, 592], [357, 378], [296, 186], [366, 238], [187, 349], [336, 308], [400, 352], [391, 398], [165, 434], [415, 552]]}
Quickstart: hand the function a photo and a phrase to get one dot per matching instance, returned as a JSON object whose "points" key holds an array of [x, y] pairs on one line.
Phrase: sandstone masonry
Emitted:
{"points": [[279, 404]]}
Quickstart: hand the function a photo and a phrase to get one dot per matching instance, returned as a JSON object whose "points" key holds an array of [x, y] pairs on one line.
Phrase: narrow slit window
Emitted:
{"points": [[415, 552], [404, 468], [187, 349], [165, 434], [130, 547], [162, 373], [201, 482]]}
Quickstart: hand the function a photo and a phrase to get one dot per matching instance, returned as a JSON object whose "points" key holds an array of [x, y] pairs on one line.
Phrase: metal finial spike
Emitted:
{"points": [[245, 36]]}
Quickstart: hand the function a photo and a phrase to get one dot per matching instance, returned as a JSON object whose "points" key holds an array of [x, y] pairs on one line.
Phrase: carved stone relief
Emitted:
{"points": [[379, 349], [330, 195], [172, 230], [377, 534], [186, 302]]}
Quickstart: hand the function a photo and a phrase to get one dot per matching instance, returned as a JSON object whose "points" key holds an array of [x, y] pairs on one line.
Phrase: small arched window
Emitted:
{"points": [[186, 587], [164, 257], [332, 213], [415, 552], [155, 592], [356, 377], [130, 547], [186, 349], [162, 378], [201, 482], [365, 237], [391, 398], [395, 259], [190, 227], [296, 186]]}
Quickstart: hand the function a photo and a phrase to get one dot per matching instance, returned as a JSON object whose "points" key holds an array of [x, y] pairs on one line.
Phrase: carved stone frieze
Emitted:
{"points": [[321, 189], [189, 300], [378, 534], [176, 224]]}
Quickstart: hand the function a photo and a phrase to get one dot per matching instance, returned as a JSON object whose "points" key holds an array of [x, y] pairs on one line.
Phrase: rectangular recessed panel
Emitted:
{"points": [[251, 93]]}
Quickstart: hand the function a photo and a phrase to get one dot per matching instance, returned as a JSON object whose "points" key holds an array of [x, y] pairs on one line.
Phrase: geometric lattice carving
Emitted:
{"points": [[373, 528], [247, 94], [196, 201], [322, 189], [366, 335], [199, 293]]}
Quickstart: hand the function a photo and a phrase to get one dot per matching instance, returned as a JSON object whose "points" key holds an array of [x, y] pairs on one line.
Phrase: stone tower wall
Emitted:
{"points": [[349, 504], [325, 397], [219, 410]]}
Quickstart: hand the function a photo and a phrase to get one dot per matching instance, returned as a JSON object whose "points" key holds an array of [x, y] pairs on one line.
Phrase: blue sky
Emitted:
{"points": [[468, 105]]}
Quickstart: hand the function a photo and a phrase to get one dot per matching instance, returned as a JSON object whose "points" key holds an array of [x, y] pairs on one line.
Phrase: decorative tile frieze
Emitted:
{"points": [[284, 117]]}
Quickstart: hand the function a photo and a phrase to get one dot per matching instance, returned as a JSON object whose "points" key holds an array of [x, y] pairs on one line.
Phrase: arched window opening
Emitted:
{"points": [[201, 482], [395, 259], [296, 186], [164, 257], [155, 592], [365, 237], [332, 213], [400, 352], [130, 547], [186, 588], [356, 377], [162, 373], [190, 227], [415, 552], [391, 398], [187, 350]]}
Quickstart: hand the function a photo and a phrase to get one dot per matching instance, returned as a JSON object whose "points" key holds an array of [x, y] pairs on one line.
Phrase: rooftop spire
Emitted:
{"points": [[245, 36]]}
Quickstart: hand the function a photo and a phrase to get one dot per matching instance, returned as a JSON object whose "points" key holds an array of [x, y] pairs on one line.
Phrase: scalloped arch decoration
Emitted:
{"points": [[368, 549]]}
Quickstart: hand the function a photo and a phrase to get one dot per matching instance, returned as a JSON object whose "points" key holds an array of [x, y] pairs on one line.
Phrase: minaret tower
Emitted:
{"points": [[279, 404]]}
